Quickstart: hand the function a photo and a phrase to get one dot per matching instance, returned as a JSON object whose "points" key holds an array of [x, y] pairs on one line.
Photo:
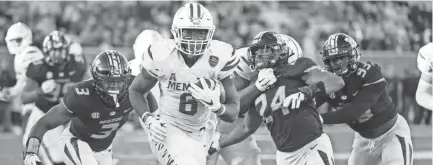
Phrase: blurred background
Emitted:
{"points": [[390, 33]]}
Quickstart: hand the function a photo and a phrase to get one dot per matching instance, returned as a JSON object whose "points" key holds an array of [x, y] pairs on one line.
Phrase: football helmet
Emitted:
{"points": [[336, 47], [112, 77], [273, 50], [56, 47], [193, 29], [143, 41], [18, 37]]}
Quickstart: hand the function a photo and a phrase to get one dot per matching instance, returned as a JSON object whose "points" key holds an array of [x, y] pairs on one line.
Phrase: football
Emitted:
{"points": [[212, 84]]}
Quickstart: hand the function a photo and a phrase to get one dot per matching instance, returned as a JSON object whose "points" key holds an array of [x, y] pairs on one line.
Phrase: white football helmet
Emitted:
{"points": [[18, 37], [192, 16], [143, 41], [293, 48]]}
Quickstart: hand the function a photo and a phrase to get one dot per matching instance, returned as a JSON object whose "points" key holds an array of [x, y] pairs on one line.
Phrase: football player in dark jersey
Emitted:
{"points": [[382, 135], [281, 70], [97, 108], [48, 80]]}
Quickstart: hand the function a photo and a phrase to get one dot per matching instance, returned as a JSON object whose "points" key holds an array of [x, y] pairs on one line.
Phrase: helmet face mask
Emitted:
{"points": [[265, 56], [340, 54], [112, 77], [193, 29]]}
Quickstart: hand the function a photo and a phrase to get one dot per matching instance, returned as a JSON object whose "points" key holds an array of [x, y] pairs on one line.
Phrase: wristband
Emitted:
{"points": [[314, 90], [32, 145], [145, 116], [221, 111]]}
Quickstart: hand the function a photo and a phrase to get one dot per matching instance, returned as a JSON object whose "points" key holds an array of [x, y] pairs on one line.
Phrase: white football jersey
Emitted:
{"points": [[136, 69], [425, 59], [163, 61], [21, 63]]}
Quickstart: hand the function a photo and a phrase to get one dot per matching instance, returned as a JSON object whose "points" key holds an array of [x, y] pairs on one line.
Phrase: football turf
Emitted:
{"points": [[131, 148]]}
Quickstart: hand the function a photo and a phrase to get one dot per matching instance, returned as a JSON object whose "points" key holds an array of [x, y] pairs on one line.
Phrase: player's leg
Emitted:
{"points": [[397, 146], [105, 157], [76, 151], [321, 152], [181, 147], [51, 143], [243, 153], [360, 154]]}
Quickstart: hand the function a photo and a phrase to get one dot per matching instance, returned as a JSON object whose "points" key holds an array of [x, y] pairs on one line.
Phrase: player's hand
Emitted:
{"points": [[208, 97], [32, 159], [265, 79], [48, 86], [294, 100], [156, 128], [5, 94]]}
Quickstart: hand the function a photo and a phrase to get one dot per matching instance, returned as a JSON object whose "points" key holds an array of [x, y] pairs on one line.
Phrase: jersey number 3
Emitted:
{"points": [[188, 105], [109, 129]]}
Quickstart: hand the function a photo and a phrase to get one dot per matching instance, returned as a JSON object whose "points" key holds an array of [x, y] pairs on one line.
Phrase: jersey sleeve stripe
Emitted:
{"points": [[66, 106], [239, 68], [378, 81], [245, 60], [312, 68], [228, 67]]}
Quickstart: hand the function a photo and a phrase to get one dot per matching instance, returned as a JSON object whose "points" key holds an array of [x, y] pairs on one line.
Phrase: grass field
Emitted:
{"points": [[133, 149]]}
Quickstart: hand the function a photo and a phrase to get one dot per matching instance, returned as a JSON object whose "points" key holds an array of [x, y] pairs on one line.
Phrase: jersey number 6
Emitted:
{"points": [[188, 105]]}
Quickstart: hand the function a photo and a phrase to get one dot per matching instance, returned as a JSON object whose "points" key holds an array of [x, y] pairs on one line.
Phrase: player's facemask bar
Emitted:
{"points": [[267, 56], [193, 42], [344, 64], [112, 88], [57, 56]]}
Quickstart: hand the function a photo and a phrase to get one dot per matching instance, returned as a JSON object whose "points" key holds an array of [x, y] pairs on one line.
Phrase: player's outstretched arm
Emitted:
{"points": [[232, 100], [240, 84], [56, 116], [31, 91], [138, 91], [242, 131], [317, 78], [366, 98], [424, 95]]}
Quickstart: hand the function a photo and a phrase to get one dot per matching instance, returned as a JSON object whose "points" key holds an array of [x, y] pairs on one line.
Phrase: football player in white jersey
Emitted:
{"points": [[424, 92], [181, 132], [141, 44], [18, 41]]}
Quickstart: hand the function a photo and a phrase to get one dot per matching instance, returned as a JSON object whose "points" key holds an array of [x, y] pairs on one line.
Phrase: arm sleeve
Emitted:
{"points": [[302, 66], [373, 87], [70, 100], [34, 71], [243, 69], [149, 64], [228, 67], [423, 62]]}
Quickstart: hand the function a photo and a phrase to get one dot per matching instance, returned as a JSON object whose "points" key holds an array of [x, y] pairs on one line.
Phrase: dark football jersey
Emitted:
{"points": [[40, 71], [382, 111], [290, 129], [94, 122]]}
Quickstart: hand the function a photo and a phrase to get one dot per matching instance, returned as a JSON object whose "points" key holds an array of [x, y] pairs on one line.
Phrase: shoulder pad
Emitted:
{"points": [[221, 49], [135, 67], [243, 69], [301, 66], [160, 50], [370, 72], [33, 53], [78, 93], [425, 59], [306, 64]]}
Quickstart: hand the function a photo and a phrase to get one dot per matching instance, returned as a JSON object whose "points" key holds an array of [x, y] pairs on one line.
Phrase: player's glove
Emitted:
{"points": [[48, 86], [265, 79], [294, 99], [156, 128], [32, 159], [210, 98], [5, 94]]}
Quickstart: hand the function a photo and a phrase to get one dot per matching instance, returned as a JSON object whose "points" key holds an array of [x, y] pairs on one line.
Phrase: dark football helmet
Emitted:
{"points": [[55, 48], [267, 51], [340, 54], [112, 76]]}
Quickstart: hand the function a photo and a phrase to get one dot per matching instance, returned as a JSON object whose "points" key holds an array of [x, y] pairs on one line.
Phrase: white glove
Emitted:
{"points": [[294, 99], [32, 159], [156, 128], [208, 97], [48, 86], [265, 79], [5, 94]]}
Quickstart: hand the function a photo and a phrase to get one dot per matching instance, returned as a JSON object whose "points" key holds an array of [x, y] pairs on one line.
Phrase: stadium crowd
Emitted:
{"points": [[392, 26]]}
